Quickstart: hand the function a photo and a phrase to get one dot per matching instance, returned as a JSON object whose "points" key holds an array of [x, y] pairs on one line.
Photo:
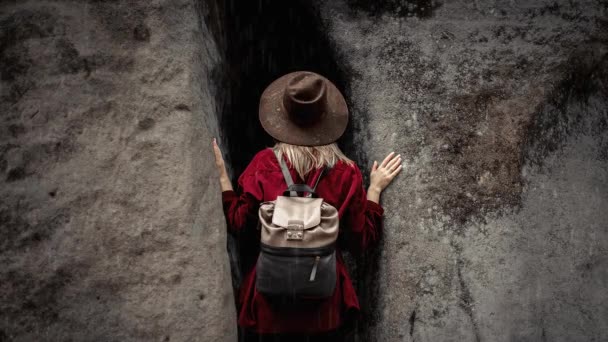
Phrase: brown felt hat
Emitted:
{"points": [[303, 108]]}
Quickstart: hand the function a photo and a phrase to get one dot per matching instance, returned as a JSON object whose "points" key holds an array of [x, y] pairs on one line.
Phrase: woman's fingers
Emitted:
{"points": [[375, 166], [395, 171], [399, 163], [218, 153], [216, 149], [387, 159], [392, 164]]}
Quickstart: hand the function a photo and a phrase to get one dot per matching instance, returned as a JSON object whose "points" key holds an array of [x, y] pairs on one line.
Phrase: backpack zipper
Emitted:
{"points": [[314, 269]]}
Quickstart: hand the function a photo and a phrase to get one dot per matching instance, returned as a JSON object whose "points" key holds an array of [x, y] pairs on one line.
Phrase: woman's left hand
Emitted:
{"points": [[381, 175], [225, 183]]}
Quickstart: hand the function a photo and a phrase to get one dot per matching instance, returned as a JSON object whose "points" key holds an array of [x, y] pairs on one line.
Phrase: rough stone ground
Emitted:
{"points": [[110, 213], [495, 230]]}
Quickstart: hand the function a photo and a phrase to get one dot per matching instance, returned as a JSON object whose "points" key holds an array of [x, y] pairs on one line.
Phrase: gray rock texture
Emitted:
{"points": [[496, 229], [110, 213]]}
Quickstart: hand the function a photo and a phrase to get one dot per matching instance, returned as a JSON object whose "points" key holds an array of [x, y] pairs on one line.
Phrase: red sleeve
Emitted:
{"points": [[362, 218], [241, 206]]}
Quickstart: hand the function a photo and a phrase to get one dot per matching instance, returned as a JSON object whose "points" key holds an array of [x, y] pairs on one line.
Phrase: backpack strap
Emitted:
{"points": [[294, 188], [286, 173], [325, 169], [314, 188]]}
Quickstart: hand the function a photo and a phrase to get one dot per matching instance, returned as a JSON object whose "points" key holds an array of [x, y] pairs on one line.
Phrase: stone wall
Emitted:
{"points": [[496, 227], [110, 211]]}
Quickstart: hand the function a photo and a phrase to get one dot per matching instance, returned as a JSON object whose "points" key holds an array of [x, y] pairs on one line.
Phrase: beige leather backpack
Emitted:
{"points": [[297, 250]]}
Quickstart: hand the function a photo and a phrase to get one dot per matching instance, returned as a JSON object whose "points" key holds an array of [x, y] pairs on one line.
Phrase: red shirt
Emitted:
{"points": [[360, 228]]}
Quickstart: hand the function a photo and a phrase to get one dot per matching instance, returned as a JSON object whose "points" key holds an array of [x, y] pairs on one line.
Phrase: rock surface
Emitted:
{"points": [[110, 211], [496, 227]]}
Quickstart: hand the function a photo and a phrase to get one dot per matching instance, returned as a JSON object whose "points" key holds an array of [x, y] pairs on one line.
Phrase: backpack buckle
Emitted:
{"points": [[295, 230]]}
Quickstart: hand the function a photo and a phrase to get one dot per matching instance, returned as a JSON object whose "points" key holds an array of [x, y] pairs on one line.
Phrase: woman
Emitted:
{"points": [[305, 114]]}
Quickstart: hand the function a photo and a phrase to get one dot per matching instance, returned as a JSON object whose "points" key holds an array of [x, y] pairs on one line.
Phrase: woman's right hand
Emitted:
{"points": [[225, 183], [382, 175]]}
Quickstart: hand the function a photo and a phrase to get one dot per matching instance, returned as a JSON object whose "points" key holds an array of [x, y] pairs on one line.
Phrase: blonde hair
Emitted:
{"points": [[306, 158]]}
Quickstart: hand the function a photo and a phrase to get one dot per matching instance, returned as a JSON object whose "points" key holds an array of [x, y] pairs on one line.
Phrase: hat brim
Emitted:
{"points": [[276, 122]]}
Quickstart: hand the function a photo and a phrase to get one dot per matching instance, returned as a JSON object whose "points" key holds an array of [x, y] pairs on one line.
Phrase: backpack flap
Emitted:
{"points": [[298, 222], [303, 211]]}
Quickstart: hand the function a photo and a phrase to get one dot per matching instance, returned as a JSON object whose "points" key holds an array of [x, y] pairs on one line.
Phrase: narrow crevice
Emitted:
{"points": [[466, 302], [543, 334], [260, 41], [412, 321], [466, 299], [365, 273]]}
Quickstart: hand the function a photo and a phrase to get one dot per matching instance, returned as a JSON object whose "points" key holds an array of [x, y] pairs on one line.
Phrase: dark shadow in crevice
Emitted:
{"points": [[402, 8], [260, 41]]}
